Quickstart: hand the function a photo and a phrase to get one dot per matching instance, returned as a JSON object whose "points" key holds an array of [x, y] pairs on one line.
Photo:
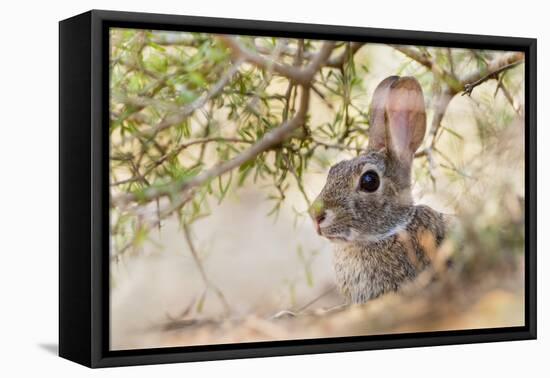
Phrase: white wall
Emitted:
{"points": [[28, 186]]}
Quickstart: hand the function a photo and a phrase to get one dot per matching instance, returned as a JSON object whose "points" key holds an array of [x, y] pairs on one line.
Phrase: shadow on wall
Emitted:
{"points": [[51, 348]]}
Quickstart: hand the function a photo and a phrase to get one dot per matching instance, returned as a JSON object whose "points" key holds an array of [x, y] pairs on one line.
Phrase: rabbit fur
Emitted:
{"points": [[381, 238]]}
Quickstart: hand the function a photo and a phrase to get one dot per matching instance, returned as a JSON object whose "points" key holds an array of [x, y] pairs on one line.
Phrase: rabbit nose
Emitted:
{"points": [[319, 218], [318, 214]]}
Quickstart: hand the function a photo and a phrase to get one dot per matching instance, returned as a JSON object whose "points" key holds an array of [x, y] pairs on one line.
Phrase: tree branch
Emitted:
{"points": [[340, 60], [494, 68], [334, 62], [179, 114], [176, 151], [298, 75], [426, 60], [467, 83], [270, 139], [201, 101], [495, 64], [442, 101]]}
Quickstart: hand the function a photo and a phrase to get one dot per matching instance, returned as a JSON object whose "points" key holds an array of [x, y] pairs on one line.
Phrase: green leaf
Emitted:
{"points": [[309, 276], [156, 46], [224, 188], [197, 79], [141, 236], [454, 133], [157, 63], [200, 302]]}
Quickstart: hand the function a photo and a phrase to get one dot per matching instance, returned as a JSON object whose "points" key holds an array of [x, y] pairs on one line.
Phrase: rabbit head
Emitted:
{"points": [[368, 197]]}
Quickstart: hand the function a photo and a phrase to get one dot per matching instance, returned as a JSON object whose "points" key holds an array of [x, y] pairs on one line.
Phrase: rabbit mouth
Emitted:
{"points": [[335, 238]]}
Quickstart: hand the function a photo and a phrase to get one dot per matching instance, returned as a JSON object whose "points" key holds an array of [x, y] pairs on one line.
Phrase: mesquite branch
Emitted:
{"points": [[302, 76], [469, 82], [469, 87]]}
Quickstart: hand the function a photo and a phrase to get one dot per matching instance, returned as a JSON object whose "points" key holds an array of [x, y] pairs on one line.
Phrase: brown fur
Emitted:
{"points": [[381, 238], [365, 271]]}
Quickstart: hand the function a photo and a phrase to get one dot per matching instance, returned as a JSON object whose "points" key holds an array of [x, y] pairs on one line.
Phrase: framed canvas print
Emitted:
{"points": [[234, 188]]}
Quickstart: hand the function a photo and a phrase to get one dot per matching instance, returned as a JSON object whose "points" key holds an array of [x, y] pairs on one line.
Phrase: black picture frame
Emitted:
{"points": [[84, 192]]}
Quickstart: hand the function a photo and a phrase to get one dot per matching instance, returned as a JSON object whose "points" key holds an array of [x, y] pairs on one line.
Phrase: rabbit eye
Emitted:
{"points": [[369, 182]]}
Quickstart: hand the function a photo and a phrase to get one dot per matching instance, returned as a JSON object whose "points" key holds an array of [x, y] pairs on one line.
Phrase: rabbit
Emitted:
{"points": [[381, 238]]}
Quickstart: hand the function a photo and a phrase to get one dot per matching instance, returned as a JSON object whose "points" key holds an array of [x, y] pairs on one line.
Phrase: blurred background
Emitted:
{"points": [[211, 243]]}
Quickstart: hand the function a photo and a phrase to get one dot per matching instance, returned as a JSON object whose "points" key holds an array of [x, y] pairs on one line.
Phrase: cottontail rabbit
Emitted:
{"points": [[381, 238]]}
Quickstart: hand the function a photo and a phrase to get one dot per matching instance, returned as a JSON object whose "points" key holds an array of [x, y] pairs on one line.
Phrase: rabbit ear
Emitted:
{"points": [[377, 117], [405, 118]]}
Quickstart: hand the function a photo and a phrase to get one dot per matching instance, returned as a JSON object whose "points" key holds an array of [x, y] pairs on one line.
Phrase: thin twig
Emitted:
{"points": [[426, 60], [176, 151], [335, 146], [180, 114], [493, 66], [441, 103], [340, 60], [298, 180], [469, 87], [323, 294], [298, 75], [207, 282]]}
